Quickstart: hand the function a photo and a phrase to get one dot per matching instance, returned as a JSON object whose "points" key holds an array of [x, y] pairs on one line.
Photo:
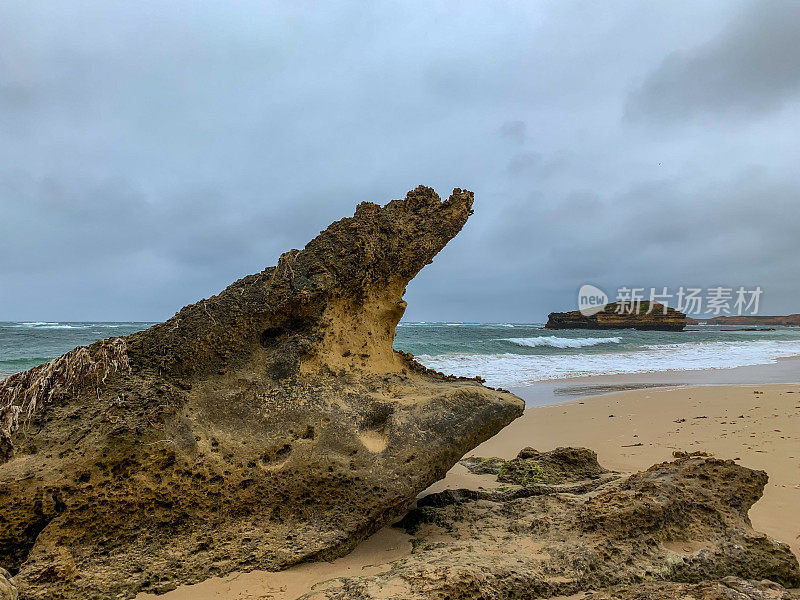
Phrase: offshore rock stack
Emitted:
{"points": [[647, 316]]}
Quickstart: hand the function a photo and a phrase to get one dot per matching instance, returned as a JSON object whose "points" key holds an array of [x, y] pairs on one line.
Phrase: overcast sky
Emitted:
{"points": [[152, 152]]}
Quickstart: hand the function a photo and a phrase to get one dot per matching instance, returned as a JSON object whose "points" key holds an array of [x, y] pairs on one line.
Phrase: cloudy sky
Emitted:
{"points": [[151, 152]]}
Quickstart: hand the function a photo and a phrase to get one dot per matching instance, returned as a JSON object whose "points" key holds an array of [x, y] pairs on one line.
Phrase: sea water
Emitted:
{"points": [[521, 354], [505, 354]]}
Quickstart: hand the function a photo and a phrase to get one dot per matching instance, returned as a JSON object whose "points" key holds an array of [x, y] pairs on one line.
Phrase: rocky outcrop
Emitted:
{"points": [[677, 530], [8, 590], [787, 320], [270, 424], [613, 317], [559, 466], [729, 588]]}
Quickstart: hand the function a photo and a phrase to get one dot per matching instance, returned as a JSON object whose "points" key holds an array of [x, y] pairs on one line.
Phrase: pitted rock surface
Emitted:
{"points": [[270, 424]]}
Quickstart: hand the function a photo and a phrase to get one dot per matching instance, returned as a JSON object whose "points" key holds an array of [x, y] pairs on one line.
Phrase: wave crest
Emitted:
{"points": [[561, 342], [520, 369]]}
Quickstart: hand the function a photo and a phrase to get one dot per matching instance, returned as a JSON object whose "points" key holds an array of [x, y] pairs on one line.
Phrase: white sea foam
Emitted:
{"points": [[43, 325], [561, 342], [465, 324], [518, 369]]}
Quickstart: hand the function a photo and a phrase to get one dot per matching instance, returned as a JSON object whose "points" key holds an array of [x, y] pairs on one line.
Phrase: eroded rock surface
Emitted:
{"points": [[562, 465], [270, 424], [677, 530], [729, 588], [8, 589], [642, 317]]}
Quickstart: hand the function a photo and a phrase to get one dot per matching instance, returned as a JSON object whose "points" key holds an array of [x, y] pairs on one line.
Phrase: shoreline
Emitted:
{"points": [[646, 427], [785, 370]]}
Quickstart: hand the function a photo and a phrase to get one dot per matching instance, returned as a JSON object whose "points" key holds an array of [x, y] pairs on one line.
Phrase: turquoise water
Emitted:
{"points": [[507, 354], [513, 354], [25, 345]]}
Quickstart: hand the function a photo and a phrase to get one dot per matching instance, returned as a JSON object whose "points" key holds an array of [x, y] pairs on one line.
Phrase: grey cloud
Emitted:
{"points": [[514, 131], [525, 161], [151, 153], [751, 67]]}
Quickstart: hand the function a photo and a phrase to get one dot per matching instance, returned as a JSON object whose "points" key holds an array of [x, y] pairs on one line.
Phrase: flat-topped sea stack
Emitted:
{"points": [[646, 318], [270, 424]]}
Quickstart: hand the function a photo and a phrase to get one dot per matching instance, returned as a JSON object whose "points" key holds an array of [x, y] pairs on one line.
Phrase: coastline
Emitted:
{"points": [[758, 430], [557, 391]]}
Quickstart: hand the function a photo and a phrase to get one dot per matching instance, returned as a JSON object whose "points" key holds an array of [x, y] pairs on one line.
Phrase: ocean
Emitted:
{"points": [[505, 354]]}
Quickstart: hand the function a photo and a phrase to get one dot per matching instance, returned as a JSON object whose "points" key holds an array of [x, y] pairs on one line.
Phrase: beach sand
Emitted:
{"points": [[757, 425]]}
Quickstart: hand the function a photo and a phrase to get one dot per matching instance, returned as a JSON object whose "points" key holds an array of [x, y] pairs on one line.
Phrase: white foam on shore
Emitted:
{"points": [[561, 342], [519, 370]]}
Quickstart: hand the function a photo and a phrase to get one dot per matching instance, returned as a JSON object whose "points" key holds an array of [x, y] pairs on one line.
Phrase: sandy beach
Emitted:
{"points": [[757, 425]]}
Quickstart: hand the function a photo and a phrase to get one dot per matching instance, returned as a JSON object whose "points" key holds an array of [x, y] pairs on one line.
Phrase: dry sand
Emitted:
{"points": [[385, 546], [758, 425]]}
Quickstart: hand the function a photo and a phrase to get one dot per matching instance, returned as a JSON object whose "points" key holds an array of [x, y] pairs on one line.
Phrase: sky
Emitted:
{"points": [[153, 152]]}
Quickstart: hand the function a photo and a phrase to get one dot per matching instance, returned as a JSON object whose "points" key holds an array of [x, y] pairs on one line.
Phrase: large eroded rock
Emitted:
{"points": [[267, 425], [677, 530]]}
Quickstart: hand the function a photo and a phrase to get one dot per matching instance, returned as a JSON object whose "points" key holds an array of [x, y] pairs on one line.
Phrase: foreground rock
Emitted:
{"points": [[729, 588], [267, 425], [8, 590], [647, 318], [677, 530]]}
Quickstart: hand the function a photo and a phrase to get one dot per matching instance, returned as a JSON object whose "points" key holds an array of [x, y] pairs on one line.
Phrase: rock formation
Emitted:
{"points": [[786, 320], [728, 588], [646, 318], [8, 590], [270, 424], [677, 530]]}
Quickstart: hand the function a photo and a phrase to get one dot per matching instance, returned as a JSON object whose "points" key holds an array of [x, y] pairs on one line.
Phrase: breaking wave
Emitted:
{"points": [[519, 369], [561, 342]]}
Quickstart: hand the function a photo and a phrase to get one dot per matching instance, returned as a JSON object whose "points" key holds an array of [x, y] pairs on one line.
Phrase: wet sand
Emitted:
{"points": [[757, 425]]}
